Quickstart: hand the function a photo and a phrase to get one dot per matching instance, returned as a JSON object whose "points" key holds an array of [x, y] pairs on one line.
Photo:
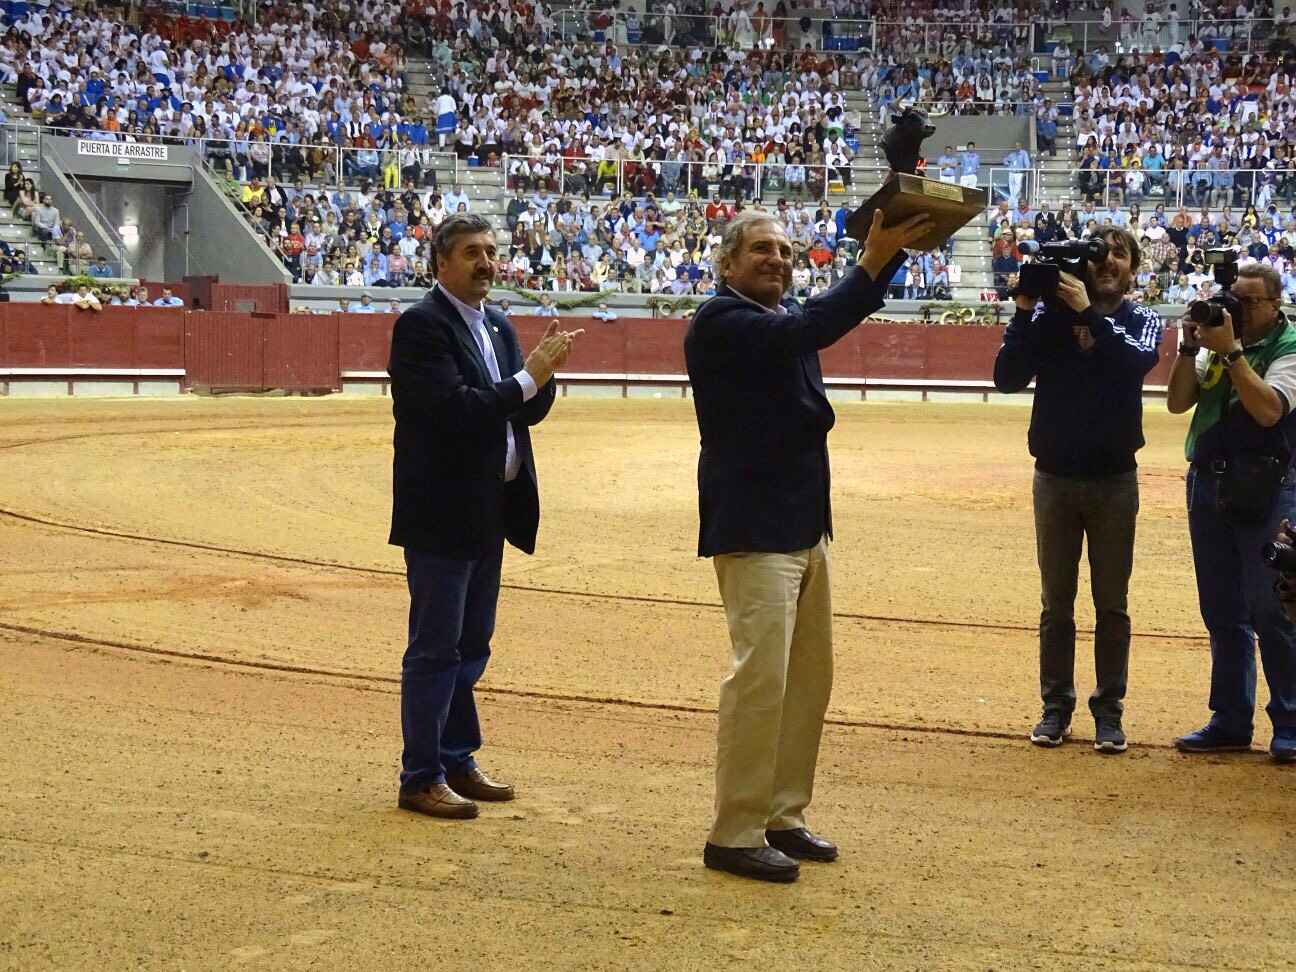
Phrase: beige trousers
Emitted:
{"points": [[779, 610]]}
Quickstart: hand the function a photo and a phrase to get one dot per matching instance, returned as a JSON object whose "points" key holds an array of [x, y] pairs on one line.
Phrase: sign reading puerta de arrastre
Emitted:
{"points": [[129, 151]]}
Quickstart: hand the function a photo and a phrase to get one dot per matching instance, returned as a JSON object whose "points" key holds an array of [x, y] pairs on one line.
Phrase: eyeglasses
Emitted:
{"points": [[1254, 301]]}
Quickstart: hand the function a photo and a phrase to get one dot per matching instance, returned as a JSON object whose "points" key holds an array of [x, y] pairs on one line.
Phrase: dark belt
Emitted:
{"points": [[1218, 466]]}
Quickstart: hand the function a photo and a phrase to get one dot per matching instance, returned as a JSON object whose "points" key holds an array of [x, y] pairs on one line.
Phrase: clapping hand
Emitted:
{"points": [[551, 353]]}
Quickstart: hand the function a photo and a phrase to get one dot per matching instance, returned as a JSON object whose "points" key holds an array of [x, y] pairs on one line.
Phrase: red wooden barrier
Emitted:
{"points": [[250, 298], [653, 347], [312, 351], [201, 288], [184, 290], [60, 336], [224, 351], [36, 335], [364, 340], [300, 352]]}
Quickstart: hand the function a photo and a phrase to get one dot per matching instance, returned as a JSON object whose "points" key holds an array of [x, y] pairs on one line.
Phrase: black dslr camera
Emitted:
{"points": [[1223, 261], [1279, 555], [1039, 278]]}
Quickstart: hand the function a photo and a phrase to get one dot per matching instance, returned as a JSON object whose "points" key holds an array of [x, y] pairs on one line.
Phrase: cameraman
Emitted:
{"points": [[1088, 350], [1244, 391]]}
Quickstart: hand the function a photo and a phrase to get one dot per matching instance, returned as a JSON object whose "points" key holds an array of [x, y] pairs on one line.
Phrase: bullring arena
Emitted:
{"points": [[211, 214], [202, 628]]}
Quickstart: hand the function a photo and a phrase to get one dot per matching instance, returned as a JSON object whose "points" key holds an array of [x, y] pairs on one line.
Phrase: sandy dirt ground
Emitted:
{"points": [[200, 631]]}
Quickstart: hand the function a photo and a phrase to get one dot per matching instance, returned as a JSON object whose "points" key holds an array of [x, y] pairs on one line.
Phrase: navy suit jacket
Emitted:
{"points": [[758, 391], [448, 490]]}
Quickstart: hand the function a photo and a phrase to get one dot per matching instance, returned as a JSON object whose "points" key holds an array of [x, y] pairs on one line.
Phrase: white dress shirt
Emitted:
{"points": [[475, 318], [780, 309]]}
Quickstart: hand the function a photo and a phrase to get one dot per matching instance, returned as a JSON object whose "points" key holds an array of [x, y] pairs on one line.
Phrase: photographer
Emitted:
{"points": [[1088, 349], [1240, 485]]}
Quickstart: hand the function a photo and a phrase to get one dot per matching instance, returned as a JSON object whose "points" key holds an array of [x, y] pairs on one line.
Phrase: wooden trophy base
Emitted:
{"points": [[950, 206]]}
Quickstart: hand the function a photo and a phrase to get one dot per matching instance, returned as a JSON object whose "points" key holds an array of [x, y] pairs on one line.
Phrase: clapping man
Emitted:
{"points": [[464, 482]]}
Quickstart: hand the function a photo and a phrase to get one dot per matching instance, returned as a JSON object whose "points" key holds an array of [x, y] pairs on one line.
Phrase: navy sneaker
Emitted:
{"points": [[1108, 735], [1054, 727], [1212, 739], [1283, 746]]}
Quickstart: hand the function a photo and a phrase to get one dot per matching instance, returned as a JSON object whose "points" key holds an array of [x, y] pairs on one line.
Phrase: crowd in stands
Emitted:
{"points": [[63, 244], [1173, 242], [619, 154], [1207, 129], [1190, 148], [371, 237]]}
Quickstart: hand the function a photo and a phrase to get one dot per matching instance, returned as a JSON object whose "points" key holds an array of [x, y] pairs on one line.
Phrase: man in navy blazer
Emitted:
{"points": [[464, 481], [763, 484]]}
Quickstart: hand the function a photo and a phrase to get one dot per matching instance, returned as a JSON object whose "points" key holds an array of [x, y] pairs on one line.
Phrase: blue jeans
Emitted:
{"points": [[1068, 511], [451, 620], [1239, 607]]}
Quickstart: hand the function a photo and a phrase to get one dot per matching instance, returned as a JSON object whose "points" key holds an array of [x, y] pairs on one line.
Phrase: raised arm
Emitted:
{"points": [[734, 333]]}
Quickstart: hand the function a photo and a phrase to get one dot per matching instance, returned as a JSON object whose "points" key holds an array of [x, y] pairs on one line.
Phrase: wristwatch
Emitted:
{"points": [[1189, 349], [1231, 358]]}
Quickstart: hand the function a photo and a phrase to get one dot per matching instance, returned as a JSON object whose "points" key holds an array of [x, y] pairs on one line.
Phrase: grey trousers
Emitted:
{"points": [[1067, 511]]}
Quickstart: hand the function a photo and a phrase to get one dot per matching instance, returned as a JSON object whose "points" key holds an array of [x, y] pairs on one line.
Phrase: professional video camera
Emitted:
{"points": [[1223, 261], [1039, 278]]}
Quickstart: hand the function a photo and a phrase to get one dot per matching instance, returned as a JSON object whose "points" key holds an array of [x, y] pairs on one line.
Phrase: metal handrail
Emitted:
{"points": [[204, 144], [113, 236], [824, 33], [1221, 33]]}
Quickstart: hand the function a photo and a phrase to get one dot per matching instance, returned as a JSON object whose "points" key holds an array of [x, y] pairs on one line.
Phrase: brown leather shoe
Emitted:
{"points": [[438, 801], [479, 786]]}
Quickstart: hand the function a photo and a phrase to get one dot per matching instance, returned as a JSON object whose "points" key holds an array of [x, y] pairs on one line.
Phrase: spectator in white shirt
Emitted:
{"points": [[546, 308]]}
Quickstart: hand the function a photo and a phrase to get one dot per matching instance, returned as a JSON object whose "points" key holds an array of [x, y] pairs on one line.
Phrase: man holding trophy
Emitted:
{"points": [[763, 480]]}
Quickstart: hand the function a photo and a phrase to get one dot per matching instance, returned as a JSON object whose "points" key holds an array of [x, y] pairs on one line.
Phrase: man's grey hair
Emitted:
{"points": [[453, 227], [735, 233], [1263, 271]]}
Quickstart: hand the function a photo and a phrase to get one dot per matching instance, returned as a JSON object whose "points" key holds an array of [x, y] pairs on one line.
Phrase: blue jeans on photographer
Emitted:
{"points": [[1068, 511], [1239, 607]]}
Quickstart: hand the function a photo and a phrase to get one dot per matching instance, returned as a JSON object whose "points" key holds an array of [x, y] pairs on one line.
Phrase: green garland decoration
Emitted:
{"points": [[559, 301], [665, 306], [985, 313], [69, 285]]}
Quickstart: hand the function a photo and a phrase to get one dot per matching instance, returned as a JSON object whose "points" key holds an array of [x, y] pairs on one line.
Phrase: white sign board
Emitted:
{"points": [[125, 151]]}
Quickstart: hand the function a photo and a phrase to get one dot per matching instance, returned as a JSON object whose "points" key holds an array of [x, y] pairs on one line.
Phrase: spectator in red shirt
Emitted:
{"points": [[819, 253], [716, 211], [290, 248]]}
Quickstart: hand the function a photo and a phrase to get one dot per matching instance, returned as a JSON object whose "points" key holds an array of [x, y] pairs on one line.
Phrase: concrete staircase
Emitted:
{"points": [[422, 85], [971, 251], [1058, 175], [21, 143]]}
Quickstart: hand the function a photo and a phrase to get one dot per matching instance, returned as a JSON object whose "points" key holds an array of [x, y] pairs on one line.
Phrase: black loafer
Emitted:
{"points": [[802, 844], [759, 863]]}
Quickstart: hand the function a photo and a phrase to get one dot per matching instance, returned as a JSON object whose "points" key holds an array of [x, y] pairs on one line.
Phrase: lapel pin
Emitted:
{"points": [[494, 328]]}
